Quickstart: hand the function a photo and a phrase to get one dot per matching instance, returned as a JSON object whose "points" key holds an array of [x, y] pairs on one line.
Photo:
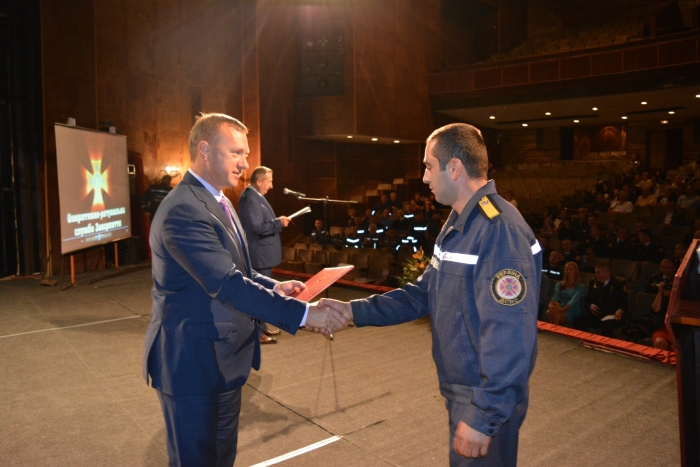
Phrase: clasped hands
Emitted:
{"points": [[328, 316], [325, 316]]}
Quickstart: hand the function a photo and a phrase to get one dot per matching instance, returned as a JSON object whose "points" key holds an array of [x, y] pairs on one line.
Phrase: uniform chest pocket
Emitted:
{"points": [[454, 268]]}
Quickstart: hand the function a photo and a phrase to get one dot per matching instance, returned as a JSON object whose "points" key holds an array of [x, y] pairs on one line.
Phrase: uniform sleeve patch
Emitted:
{"points": [[508, 287]]}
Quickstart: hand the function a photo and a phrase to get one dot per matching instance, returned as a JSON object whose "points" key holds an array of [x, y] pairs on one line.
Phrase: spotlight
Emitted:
{"points": [[595, 109], [575, 121], [397, 141], [664, 122], [492, 117], [524, 124], [671, 112], [624, 117], [644, 103], [375, 139], [349, 137], [548, 113]]}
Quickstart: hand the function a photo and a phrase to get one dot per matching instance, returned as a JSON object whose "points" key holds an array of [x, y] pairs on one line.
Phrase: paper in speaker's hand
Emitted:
{"points": [[300, 212]]}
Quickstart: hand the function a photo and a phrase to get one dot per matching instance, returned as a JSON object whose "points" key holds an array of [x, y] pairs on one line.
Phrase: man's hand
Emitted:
{"points": [[324, 319], [470, 443], [595, 310], [288, 287], [342, 307], [618, 315], [284, 220]]}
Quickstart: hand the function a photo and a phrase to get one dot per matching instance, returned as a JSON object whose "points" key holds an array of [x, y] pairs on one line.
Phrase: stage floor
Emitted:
{"points": [[73, 395]]}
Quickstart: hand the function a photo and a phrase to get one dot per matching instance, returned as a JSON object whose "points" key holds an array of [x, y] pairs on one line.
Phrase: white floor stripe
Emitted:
{"points": [[69, 327], [298, 452]]}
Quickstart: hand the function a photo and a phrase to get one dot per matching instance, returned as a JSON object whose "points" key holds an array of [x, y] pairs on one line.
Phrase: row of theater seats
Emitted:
{"points": [[371, 266]]}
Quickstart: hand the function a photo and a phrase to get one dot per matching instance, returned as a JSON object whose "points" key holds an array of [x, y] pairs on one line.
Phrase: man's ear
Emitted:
{"points": [[455, 168], [203, 148]]}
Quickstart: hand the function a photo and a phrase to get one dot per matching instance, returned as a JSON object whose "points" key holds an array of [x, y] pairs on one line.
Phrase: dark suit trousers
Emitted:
{"points": [[201, 430], [503, 448]]}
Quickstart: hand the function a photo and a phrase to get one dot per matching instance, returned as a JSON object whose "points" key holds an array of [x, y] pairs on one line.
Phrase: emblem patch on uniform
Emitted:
{"points": [[508, 287]]}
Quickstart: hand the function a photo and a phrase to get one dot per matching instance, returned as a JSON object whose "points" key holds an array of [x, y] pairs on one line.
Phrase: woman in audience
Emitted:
{"points": [[568, 297]]}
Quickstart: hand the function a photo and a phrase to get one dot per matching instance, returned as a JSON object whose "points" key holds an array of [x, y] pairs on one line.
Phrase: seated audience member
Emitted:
{"points": [[351, 217], [600, 204], [383, 204], [672, 216], [428, 209], [547, 227], [596, 242], [652, 325], [413, 207], [418, 199], [621, 247], [679, 252], [563, 214], [434, 227], [391, 242], [605, 303], [418, 229], [667, 195], [579, 222], [654, 186], [510, 197], [338, 239], [568, 254], [352, 238], [568, 296], [621, 205], [385, 219], [544, 244], [566, 231], [554, 268], [318, 235], [437, 205], [394, 201], [592, 221], [689, 200], [648, 249], [400, 222], [645, 199], [693, 233], [646, 181], [372, 238], [366, 219], [637, 180]]}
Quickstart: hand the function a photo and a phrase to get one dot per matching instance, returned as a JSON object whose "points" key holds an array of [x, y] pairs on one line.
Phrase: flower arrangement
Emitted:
{"points": [[413, 268]]}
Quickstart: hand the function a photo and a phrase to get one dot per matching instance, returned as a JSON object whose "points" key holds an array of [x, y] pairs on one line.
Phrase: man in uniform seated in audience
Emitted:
{"points": [[580, 222], [400, 222], [351, 217], [596, 242], [672, 216], [383, 204], [648, 249], [652, 325], [568, 254], [392, 242], [352, 239], [554, 268], [372, 238], [689, 200], [605, 303], [318, 235], [428, 209], [621, 247], [646, 199], [418, 229], [394, 201], [621, 205]]}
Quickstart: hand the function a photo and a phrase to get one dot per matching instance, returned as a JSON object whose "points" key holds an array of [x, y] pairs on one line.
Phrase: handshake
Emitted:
{"points": [[325, 316], [328, 316]]}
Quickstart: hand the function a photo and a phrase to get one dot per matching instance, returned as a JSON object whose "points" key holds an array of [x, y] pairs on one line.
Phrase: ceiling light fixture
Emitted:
{"points": [[624, 117], [396, 141], [375, 139], [575, 121], [644, 103], [349, 137], [492, 117], [524, 124], [671, 112], [548, 113], [697, 95], [595, 109], [663, 122]]}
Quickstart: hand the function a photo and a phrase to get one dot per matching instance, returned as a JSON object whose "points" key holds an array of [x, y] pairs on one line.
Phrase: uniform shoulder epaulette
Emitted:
{"points": [[488, 207]]}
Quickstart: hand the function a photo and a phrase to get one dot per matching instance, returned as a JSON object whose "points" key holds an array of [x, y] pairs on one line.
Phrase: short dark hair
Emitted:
{"points": [[166, 179], [259, 173], [463, 142]]}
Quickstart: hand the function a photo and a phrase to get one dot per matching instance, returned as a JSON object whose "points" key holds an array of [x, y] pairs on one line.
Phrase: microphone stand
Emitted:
{"points": [[325, 202]]}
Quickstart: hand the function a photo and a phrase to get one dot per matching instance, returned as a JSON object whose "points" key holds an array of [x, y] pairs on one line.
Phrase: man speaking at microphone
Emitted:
{"points": [[262, 230], [203, 337]]}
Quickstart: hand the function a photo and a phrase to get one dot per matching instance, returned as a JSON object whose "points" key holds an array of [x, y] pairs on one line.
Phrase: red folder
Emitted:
{"points": [[321, 282]]}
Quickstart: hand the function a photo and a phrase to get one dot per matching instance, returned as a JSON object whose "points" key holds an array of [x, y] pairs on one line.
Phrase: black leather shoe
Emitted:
{"points": [[267, 340], [273, 332]]}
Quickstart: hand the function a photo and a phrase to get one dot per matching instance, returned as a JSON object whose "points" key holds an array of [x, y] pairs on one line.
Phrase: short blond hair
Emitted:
{"points": [[207, 127]]}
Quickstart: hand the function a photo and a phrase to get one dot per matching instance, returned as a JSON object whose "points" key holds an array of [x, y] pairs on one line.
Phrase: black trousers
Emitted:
{"points": [[589, 320], [201, 430], [503, 448]]}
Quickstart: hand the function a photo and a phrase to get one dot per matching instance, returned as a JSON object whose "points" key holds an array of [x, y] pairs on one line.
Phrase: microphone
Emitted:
{"points": [[287, 191]]}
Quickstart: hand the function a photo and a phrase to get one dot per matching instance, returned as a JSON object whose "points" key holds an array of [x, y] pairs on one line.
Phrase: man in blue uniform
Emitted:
{"points": [[481, 291]]}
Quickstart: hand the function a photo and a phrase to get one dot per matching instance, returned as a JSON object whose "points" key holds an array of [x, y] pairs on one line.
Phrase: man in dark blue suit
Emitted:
{"points": [[262, 229], [203, 337]]}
